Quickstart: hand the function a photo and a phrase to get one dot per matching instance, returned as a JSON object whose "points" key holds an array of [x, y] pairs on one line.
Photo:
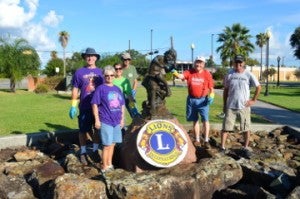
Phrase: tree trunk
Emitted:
{"points": [[12, 85]]}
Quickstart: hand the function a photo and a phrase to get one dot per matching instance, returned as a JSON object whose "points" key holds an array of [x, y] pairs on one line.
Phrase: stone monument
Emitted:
{"points": [[156, 140]]}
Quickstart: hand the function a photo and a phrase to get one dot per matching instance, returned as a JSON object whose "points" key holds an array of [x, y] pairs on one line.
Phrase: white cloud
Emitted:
{"points": [[52, 19], [36, 34], [18, 18], [12, 15]]}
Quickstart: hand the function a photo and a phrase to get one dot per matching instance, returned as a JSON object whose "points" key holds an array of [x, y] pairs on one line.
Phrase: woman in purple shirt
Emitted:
{"points": [[108, 109]]}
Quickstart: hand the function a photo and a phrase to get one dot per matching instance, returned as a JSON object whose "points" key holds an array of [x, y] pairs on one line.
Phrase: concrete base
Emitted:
{"points": [[71, 136], [33, 139]]}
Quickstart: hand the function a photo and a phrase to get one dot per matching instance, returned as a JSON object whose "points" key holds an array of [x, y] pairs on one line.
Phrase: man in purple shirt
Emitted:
{"points": [[85, 82]]}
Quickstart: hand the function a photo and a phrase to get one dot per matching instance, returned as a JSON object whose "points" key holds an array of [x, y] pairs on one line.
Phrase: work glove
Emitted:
{"points": [[174, 72], [131, 104], [210, 98], [73, 109], [133, 93]]}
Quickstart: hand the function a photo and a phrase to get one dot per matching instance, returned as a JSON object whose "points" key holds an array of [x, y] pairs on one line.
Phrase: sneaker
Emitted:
{"points": [[95, 157], [207, 145], [83, 159], [221, 115], [197, 144], [246, 153], [110, 168], [223, 151]]}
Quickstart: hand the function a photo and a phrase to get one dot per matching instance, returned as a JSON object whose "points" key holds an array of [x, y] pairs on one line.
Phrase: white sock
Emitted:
{"points": [[206, 139], [95, 147], [83, 149], [197, 139]]}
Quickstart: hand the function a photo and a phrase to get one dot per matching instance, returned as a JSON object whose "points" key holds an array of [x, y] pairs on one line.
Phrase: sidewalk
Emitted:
{"points": [[274, 114]]}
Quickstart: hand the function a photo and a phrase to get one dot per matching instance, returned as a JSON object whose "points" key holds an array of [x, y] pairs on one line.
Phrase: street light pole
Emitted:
{"points": [[278, 73], [151, 42], [192, 51], [267, 63], [212, 48]]}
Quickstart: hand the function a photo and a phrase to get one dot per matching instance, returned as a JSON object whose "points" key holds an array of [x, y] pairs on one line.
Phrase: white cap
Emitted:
{"points": [[199, 58]]}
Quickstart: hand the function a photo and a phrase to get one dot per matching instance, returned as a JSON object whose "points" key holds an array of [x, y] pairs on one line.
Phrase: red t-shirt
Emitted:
{"points": [[198, 83]]}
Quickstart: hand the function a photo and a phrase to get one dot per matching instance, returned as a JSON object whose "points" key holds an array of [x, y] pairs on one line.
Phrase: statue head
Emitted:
{"points": [[170, 56], [170, 59]]}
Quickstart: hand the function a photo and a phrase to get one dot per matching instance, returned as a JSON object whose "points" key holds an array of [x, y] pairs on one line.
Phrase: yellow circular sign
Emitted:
{"points": [[162, 143]]}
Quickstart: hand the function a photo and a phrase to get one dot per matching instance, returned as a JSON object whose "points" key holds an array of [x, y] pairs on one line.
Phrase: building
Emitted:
{"points": [[285, 73]]}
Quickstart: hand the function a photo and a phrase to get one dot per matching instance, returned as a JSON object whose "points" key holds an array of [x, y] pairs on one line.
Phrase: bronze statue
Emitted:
{"points": [[156, 85]]}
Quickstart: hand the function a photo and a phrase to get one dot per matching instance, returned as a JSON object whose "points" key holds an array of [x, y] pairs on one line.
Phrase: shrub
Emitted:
{"points": [[220, 73], [53, 81], [218, 85], [41, 88]]}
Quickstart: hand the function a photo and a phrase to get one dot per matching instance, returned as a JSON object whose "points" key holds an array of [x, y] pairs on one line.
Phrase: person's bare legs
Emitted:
{"points": [[196, 127], [82, 142], [223, 139], [110, 154], [206, 131], [246, 138], [95, 139], [105, 157]]}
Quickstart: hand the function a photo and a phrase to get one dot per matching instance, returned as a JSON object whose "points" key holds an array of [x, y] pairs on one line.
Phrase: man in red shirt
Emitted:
{"points": [[200, 96]]}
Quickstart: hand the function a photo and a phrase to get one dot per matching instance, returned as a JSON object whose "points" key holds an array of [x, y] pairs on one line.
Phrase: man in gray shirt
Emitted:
{"points": [[237, 101]]}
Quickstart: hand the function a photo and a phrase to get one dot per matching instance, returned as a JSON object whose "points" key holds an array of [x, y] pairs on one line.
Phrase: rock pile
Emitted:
{"points": [[52, 170]]}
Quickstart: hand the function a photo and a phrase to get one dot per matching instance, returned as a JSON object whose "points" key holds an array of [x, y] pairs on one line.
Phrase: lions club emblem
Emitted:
{"points": [[162, 143]]}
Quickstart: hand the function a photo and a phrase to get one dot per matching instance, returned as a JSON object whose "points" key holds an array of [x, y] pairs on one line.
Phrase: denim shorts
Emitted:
{"points": [[86, 120], [110, 134], [196, 107]]}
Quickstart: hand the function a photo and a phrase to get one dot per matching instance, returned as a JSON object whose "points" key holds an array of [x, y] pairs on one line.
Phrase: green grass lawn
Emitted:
{"points": [[26, 112], [288, 98]]}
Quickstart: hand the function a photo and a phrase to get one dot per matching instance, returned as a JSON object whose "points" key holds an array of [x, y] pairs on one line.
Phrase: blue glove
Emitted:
{"points": [[210, 101], [133, 93], [73, 112], [210, 98]]}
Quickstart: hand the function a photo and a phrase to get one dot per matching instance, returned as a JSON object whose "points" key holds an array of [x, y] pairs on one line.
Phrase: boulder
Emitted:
{"points": [[129, 157]]}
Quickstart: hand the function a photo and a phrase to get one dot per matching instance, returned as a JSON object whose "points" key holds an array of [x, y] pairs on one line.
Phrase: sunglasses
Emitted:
{"points": [[109, 75], [118, 68]]}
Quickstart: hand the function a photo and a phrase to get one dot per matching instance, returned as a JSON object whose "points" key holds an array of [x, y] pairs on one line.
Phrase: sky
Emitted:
{"points": [[113, 26]]}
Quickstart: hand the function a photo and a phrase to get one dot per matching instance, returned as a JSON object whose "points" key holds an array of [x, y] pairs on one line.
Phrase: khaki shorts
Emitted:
{"points": [[243, 115]]}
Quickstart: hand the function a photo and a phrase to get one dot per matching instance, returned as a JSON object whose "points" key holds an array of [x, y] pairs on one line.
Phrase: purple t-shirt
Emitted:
{"points": [[110, 101], [87, 80]]}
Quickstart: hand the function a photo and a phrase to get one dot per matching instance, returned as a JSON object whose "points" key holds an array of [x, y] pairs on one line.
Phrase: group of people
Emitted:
{"points": [[104, 94], [236, 100]]}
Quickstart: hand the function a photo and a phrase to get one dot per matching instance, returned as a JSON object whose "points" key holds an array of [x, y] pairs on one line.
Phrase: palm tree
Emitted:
{"points": [[235, 40], [295, 42], [64, 39], [18, 59], [53, 54], [261, 40]]}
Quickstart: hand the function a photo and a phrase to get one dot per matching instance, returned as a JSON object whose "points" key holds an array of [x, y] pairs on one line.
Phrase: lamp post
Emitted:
{"points": [[267, 63], [212, 48], [151, 41], [278, 65], [192, 51]]}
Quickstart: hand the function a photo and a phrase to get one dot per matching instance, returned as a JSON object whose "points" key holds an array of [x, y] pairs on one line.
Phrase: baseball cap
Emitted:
{"points": [[238, 58], [199, 58], [125, 56]]}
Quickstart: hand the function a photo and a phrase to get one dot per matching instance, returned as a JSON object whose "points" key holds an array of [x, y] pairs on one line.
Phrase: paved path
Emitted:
{"points": [[274, 114]]}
